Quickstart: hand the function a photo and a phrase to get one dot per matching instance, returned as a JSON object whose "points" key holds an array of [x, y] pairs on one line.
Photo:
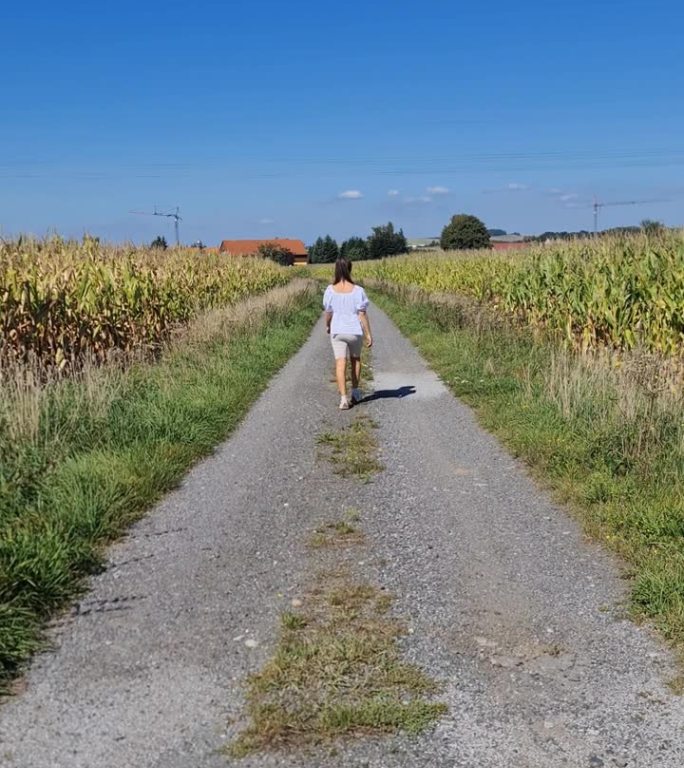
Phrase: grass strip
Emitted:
{"points": [[336, 671], [339, 533], [102, 448], [611, 448], [353, 450]]}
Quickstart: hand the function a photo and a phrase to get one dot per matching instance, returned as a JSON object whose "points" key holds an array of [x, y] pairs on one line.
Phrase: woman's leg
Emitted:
{"points": [[355, 355], [355, 372], [341, 374]]}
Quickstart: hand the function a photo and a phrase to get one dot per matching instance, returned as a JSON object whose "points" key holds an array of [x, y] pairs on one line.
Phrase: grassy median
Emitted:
{"points": [[81, 459], [605, 432], [337, 669]]}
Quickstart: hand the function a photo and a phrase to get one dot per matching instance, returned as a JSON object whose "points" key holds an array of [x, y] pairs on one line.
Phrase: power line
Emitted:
{"points": [[375, 165]]}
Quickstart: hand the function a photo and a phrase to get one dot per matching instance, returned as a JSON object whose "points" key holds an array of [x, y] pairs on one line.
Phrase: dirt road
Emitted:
{"points": [[507, 604]]}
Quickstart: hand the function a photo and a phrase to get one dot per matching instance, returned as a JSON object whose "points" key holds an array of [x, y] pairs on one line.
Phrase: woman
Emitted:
{"points": [[345, 305]]}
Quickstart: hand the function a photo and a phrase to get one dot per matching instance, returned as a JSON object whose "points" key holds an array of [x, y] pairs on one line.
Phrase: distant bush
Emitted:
{"points": [[464, 232], [277, 253], [652, 227], [159, 242]]}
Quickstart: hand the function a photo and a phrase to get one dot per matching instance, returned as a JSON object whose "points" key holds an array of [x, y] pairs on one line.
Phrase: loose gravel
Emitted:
{"points": [[507, 604]]}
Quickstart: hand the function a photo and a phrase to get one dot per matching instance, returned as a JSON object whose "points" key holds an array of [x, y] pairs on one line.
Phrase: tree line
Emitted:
{"points": [[383, 241], [462, 232]]}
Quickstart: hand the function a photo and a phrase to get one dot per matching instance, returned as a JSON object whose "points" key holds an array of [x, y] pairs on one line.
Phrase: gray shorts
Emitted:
{"points": [[341, 342]]}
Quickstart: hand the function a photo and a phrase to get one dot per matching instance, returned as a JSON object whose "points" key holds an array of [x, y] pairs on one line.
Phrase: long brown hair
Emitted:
{"points": [[343, 268]]}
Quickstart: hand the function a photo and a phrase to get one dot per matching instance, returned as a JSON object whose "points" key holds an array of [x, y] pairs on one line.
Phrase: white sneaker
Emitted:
{"points": [[356, 396], [344, 403]]}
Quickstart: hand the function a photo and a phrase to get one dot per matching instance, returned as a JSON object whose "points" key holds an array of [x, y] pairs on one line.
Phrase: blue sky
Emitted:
{"points": [[302, 118]]}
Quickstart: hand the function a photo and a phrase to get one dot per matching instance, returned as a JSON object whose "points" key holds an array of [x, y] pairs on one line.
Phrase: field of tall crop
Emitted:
{"points": [[619, 292], [67, 301]]}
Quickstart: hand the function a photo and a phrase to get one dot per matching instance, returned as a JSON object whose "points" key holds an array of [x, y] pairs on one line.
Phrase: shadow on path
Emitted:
{"points": [[384, 394]]}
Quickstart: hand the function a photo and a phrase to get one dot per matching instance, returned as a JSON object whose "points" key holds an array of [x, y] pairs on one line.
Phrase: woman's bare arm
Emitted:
{"points": [[365, 324], [328, 320]]}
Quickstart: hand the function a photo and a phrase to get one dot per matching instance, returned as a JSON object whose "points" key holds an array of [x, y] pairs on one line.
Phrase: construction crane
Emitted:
{"points": [[170, 215], [596, 205]]}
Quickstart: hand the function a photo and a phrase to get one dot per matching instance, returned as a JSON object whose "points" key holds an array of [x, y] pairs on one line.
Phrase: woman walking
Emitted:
{"points": [[345, 305]]}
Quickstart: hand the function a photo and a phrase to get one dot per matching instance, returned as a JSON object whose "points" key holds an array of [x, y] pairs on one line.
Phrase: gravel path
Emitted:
{"points": [[508, 605]]}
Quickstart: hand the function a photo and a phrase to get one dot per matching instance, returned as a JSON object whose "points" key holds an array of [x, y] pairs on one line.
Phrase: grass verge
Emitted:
{"points": [[353, 450], [604, 434], [81, 459]]}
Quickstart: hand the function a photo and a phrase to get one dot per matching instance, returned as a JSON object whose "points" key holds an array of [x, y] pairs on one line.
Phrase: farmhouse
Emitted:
{"points": [[251, 248]]}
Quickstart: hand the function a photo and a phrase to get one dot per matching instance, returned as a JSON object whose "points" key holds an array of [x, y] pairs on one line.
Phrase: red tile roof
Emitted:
{"points": [[251, 247]]}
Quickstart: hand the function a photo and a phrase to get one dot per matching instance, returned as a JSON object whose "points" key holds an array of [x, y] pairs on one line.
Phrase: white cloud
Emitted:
{"points": [[419, 199], [515, 187], [437, 190], [350, 194], [393, 192], [568, 197], [266, 220]]}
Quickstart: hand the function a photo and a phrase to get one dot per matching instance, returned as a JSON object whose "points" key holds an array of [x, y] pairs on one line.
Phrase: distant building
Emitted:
{"points": [[422, 243], [514, 238], [251, 248], [508, 242]]}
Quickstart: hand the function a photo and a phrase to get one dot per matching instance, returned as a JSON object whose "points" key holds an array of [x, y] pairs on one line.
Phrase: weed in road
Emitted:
{"points": [[353, 450], [335, 534], [336, 671]]}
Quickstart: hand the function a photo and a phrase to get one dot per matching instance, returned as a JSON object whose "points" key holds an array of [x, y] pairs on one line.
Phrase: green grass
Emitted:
{"points": [[353, 450], [336, 671], [103, 448], [601, 435]]}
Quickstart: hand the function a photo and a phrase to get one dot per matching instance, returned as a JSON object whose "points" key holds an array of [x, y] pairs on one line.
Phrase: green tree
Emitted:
{"points": [[159, 242], [652, 227], [386, 242], [464, 232], [324, 251], [355, 249], [277, 253]]}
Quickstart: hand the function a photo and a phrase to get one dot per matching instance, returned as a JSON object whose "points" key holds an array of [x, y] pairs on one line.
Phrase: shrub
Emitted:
{"points": [[464, 232], [277, 253]]}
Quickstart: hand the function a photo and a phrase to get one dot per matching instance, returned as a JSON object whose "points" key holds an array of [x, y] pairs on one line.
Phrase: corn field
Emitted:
{"points": [[67, 301], [617, 292]]}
